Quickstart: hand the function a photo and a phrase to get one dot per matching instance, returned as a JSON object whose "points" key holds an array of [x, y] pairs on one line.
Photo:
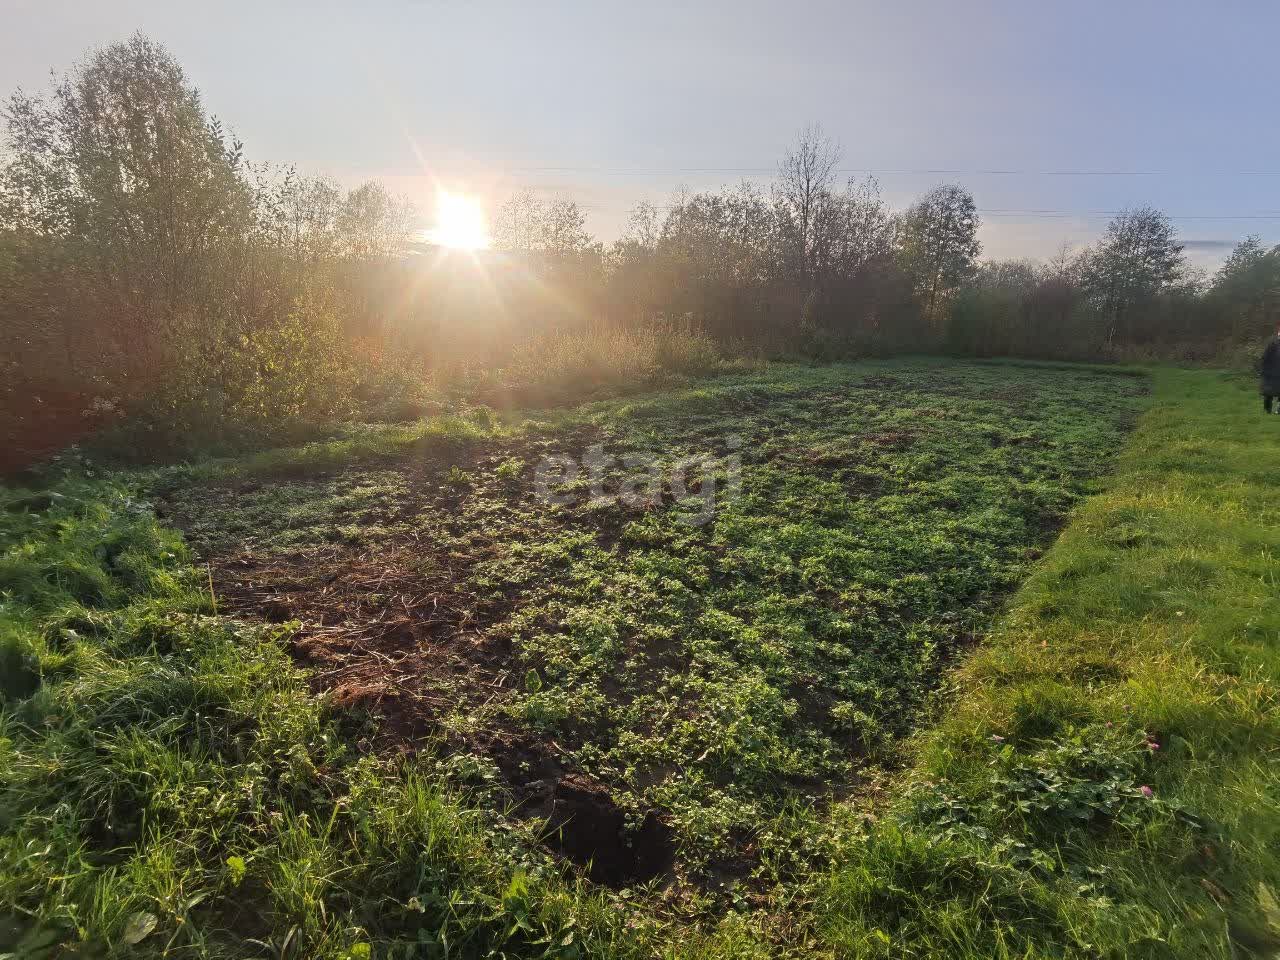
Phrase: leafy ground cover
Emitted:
{"points": [[672, 695], [716, 718], [1105, 782]]}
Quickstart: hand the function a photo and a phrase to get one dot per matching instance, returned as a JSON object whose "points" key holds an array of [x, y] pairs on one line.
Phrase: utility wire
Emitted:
{"points": [[931, 171], [1007, 212]]}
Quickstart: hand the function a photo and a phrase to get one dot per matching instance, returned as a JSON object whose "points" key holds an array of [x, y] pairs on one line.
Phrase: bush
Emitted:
{"points": [[687, 353], [562, 367], [274, 383]]}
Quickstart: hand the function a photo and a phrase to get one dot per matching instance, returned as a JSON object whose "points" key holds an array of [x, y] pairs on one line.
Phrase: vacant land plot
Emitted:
{"points": [[712, 714], [675, 693]]}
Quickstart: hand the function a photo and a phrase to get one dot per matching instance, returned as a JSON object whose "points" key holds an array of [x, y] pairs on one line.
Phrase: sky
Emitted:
{"points": [[1053, 114]]}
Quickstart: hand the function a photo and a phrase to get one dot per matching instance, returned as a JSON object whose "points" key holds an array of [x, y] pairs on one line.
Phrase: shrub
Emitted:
{"points": [[274, 383], [563, 366], [687, 353]]}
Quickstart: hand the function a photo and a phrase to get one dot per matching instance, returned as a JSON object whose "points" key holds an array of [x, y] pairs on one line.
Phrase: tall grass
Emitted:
{"points": [[605, 359]]}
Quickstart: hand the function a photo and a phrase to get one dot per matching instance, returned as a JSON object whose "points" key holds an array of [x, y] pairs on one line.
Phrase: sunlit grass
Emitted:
{"points": [[1156, 613], [166, 774]]}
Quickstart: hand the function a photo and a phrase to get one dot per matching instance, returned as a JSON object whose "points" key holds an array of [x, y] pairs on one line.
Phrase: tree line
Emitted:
{"points": [[813, 267], [146, 267], [151, 274]]}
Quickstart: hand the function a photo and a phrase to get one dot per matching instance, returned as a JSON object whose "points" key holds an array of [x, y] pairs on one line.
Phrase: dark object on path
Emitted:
{"points": [[1270, 370]]}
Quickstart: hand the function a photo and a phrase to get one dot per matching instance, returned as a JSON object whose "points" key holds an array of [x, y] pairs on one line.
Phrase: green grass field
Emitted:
{"points": [[377, 698]]}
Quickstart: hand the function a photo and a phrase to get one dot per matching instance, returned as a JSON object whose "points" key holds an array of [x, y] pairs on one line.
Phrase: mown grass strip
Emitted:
{"points": [[1104, 782]]}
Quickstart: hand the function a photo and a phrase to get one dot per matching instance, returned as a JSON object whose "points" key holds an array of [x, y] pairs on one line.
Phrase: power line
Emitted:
{"points": [[1114, 213], [920, 171], [1008, 212]]}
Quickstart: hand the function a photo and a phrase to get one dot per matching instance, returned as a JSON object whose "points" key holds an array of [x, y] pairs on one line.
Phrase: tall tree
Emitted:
{"points": [[805, 180], [373, 224], [1246, 289], [1137, 258], [297, 216], [853, 229], [551, 230], [122, 165], [518, 224], [939, 244]]}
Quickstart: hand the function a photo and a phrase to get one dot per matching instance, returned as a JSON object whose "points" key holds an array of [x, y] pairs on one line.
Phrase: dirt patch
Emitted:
{"points": [[392, 630], [585, 825], [891, 439], [386, 630]]}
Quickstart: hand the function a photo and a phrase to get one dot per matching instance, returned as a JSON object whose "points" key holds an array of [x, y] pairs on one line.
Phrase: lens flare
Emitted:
{"points": [[460, 223]]}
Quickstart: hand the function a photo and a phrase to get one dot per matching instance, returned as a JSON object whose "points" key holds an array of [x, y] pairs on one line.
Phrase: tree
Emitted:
{"points": [[644, 225], [297, 216], [1244, 258], [636, 281], [1138, 258], [122, 166], [372, 224], [517, 226], [803, 187], [719, 250], [1246, 289], [853, 229], [550, 230], [939, 244], [856, 285], [990, 314], [564, 230]]}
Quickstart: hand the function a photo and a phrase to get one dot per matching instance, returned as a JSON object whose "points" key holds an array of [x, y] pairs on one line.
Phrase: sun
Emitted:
{"points": [[460, 222]]}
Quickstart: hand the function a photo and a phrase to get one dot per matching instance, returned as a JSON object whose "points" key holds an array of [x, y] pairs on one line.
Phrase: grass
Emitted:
{"points": [[169, 779], [725, 676], [1141, 653], [598, 360]]}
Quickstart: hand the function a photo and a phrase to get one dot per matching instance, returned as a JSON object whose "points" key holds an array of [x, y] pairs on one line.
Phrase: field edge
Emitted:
{"points": [[1104, 782]]}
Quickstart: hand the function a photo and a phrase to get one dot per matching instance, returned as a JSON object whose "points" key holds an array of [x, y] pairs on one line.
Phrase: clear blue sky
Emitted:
{"points": [[636, 99]]}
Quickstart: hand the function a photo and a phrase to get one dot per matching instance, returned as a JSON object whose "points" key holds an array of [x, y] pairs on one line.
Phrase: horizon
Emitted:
{"points": [[1108, 131]]}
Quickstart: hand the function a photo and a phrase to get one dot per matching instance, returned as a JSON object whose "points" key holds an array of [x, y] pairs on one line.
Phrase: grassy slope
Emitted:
{"points": [[1154, 620]]}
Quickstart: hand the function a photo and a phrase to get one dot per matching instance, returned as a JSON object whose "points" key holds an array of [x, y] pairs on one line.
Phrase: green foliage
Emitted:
{"points": [[276, 383], [148, 271], [1048, 793], [170, 786], [686, 353], [1247, 289], [1099, 787], [293, 374], [939, 244], [1138, 258], [782, 646], [560, 368]]}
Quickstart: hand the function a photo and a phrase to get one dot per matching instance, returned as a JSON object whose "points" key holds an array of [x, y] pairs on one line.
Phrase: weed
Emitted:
{"points": [[773, 653]]}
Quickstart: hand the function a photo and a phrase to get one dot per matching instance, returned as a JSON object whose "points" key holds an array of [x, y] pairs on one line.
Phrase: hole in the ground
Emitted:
{"points": [[588, 828], [19, 677]]}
